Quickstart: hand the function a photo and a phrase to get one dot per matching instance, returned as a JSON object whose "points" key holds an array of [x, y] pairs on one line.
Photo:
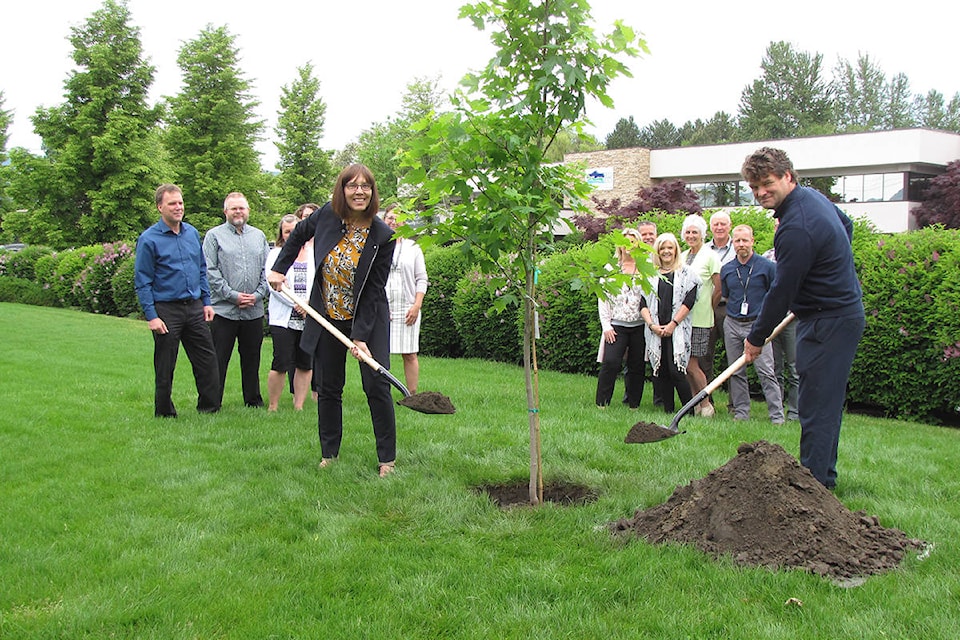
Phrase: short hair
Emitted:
{"points": [[659, 242], [720, 214], [302, 209], [287, 219], [339, 201], [647, 223], [233, 194], [742, 227], [695, 221], [166, 188], [766, 161]]}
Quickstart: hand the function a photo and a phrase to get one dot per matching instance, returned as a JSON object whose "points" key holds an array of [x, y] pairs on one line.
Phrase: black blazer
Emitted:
{"points": [[371, 315]]}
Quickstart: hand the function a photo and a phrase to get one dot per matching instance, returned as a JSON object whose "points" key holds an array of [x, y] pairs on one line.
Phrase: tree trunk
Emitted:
{"points": [[533, 387]]}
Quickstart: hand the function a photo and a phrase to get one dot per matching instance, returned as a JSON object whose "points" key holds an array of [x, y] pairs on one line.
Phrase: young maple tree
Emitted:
{"points": [[481, 170]]}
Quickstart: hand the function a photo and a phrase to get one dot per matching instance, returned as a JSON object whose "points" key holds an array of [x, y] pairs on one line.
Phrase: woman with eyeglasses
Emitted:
{"points": [[352, 252]]}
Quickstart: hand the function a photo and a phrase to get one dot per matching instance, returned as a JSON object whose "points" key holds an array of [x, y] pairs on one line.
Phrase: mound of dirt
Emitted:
{"points": [[648, 432], [763, 508], [428, 402]]}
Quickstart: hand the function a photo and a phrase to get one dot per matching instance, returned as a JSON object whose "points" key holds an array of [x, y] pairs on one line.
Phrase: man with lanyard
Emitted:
{"points": [[720, 242], [744, 282]]}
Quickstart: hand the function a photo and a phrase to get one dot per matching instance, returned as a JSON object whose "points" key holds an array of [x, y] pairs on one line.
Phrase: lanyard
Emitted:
{"points": [[747, 284]]}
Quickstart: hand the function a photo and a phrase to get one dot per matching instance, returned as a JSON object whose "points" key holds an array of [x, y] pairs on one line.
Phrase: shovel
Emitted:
{"points": [[429, 402], [651, 432]]}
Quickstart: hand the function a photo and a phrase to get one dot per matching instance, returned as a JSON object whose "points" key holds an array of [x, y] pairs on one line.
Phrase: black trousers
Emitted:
{"points": [[329, 371], [248, 336], [630, 340], [185, 325], [669, 377]]}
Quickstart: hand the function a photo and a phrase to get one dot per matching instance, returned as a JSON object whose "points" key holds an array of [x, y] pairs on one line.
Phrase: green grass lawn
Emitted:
{"points": [[114, 524]]}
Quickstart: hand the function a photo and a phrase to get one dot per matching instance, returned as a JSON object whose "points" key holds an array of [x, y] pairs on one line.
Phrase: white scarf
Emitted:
{"points": [[683, 281]]}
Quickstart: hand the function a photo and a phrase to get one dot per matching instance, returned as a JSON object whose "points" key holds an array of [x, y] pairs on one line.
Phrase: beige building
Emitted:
{"points": [[879, 175]]}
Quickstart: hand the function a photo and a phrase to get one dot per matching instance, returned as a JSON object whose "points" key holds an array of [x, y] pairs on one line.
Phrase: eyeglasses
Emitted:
{"points": [[363, 188]]}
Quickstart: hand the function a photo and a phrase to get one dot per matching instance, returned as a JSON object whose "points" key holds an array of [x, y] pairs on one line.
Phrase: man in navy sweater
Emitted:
{"points": [[816, 280]]}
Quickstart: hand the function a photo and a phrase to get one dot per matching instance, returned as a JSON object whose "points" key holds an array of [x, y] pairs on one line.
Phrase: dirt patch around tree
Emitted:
{"points": [[763, 508], [517, 494]]}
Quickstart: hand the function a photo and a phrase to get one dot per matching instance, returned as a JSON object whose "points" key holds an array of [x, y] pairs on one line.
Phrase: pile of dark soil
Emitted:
{"points": [[648, 432], [428, 402], [763, 509]]}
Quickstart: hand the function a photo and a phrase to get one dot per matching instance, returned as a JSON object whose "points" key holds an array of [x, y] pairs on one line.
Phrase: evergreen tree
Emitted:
{"points": [[861, 95], [952, 120], [625, 134], [898, 110], [789, 100], [98, 140], [930, 110], [306, 173], [660, 134], [213, 130]]}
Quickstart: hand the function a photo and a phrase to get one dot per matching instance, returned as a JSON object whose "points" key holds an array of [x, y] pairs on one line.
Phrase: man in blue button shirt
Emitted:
{"points": [[171, 283], [744, 282]]}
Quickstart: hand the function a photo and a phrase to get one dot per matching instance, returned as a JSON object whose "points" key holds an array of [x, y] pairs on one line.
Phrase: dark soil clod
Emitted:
{"points": [[648, 432], [764, 509], [428, 402]]}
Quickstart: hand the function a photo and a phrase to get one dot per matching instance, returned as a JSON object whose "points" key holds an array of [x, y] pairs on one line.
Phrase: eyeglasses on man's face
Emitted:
{"points": [[353, 187]]}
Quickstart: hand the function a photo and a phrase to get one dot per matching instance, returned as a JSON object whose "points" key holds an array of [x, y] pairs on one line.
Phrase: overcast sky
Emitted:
{"points": [[702, 54]]}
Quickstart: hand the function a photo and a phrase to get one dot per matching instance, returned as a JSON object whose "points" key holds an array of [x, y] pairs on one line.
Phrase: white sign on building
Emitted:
{"points": [[600, 178]]}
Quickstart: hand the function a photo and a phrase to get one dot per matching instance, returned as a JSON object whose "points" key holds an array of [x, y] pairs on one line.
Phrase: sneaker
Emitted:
{"points": [[707, 412]]}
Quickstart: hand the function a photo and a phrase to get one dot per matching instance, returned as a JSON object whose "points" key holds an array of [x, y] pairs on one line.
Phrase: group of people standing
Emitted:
{"points": [[341, 256], [724, 288], [354, 270], [712, 290]]}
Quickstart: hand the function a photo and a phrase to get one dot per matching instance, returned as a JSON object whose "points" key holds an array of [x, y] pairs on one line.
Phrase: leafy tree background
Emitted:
{"points": [[106, 147], [306, 170], [98, 142], [625, 134], [213, 130], [6, 118], [790, 99]]}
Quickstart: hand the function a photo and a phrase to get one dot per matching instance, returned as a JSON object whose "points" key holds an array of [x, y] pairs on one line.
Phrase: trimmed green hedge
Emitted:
{"points": [[484, 333], [438, 335], [908, 363]]}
